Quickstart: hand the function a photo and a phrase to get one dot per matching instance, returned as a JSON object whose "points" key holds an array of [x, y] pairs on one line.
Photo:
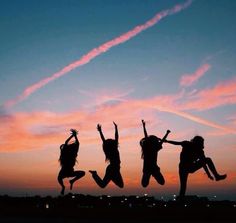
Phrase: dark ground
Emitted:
{"points": [[87, 209]]}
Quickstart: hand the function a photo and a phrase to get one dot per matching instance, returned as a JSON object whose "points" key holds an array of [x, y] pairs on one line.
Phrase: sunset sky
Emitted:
{"points": [[76, 63]]}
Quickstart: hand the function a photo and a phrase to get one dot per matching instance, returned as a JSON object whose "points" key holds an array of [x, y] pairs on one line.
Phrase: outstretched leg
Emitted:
{"points": [[183, 177], [78, 174], [102, 182], [145, 179], [212, 168], [158, 176]]}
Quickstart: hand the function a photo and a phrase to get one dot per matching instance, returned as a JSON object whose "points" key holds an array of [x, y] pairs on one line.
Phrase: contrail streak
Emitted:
{"points": [[195, 119], [203, 121], [170, 109], [96, 52]]}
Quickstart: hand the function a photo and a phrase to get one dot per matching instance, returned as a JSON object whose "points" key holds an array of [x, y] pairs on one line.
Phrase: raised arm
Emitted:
{"points": [[116, 132], [144, 129], [165, 136], [67, 141], [74, 133], [174, 142], [99, 128]]}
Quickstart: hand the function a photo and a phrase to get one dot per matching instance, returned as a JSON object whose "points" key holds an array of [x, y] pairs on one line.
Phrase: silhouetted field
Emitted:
{"points": [[86, 208]]}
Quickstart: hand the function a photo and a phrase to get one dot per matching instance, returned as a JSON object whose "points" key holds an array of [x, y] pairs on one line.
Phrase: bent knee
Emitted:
{"points": [[121, 185], [103, 185], [162, 182]]}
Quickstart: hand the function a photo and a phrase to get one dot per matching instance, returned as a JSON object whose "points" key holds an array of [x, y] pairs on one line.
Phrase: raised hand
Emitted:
{"points": [[165, 136], [143, 122], [99, 127], [115, 124], [74, 132]]}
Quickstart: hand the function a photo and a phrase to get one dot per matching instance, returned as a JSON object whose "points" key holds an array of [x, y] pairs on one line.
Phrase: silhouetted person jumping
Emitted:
{"points": [[192, 158], [110, 148], [150, 145], [67, 160]]}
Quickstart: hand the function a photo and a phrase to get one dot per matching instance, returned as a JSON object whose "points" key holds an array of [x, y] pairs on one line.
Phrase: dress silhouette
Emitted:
{"points": [[110, 148], [67, 160], [150, 145], [192, 158]]}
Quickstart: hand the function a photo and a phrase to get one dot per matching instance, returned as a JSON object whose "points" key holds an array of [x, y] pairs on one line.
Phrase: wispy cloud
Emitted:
{"points": [[35, 130], [190, 79], [105, 96], [224, 93], [38, 130], [96, 52], [201, 121], [24, 131], [169, 104]]}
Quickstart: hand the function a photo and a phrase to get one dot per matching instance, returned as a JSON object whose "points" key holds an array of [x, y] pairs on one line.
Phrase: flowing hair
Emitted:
{"points": [[149, 143], [68, 155], [110, 148]]}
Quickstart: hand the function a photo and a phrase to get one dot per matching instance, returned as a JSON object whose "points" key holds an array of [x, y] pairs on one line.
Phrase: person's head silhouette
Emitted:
{"points": [[150, 143], [198, 141]]}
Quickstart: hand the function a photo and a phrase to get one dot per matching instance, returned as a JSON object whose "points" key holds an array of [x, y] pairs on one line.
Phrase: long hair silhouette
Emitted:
{"points": [[68, 155], [67, 159], [150, 146], [110, 149]]}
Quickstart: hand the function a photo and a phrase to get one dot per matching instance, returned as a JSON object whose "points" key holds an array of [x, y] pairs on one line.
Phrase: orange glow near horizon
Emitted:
{"points": [[41, 133]]}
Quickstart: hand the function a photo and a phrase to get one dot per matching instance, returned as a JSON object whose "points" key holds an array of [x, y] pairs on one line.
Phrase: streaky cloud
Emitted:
{"points": [[37, 130], [159, 103], [96, 52], [200, 120], [224, 93], [105, 96], [189, 79]]}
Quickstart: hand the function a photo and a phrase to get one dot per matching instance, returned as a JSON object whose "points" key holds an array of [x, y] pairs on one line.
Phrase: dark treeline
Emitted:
{"points": [[118, 208]]}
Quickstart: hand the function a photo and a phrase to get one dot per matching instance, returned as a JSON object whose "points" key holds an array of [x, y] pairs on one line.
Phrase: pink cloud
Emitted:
{"points": [[172, 107], [221, 94], [36, 130], [39, 129], [190, 79], [96, 52]]}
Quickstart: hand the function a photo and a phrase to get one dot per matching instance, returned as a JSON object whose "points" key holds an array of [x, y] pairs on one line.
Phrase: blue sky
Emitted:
{"points": [[39, 38]]}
